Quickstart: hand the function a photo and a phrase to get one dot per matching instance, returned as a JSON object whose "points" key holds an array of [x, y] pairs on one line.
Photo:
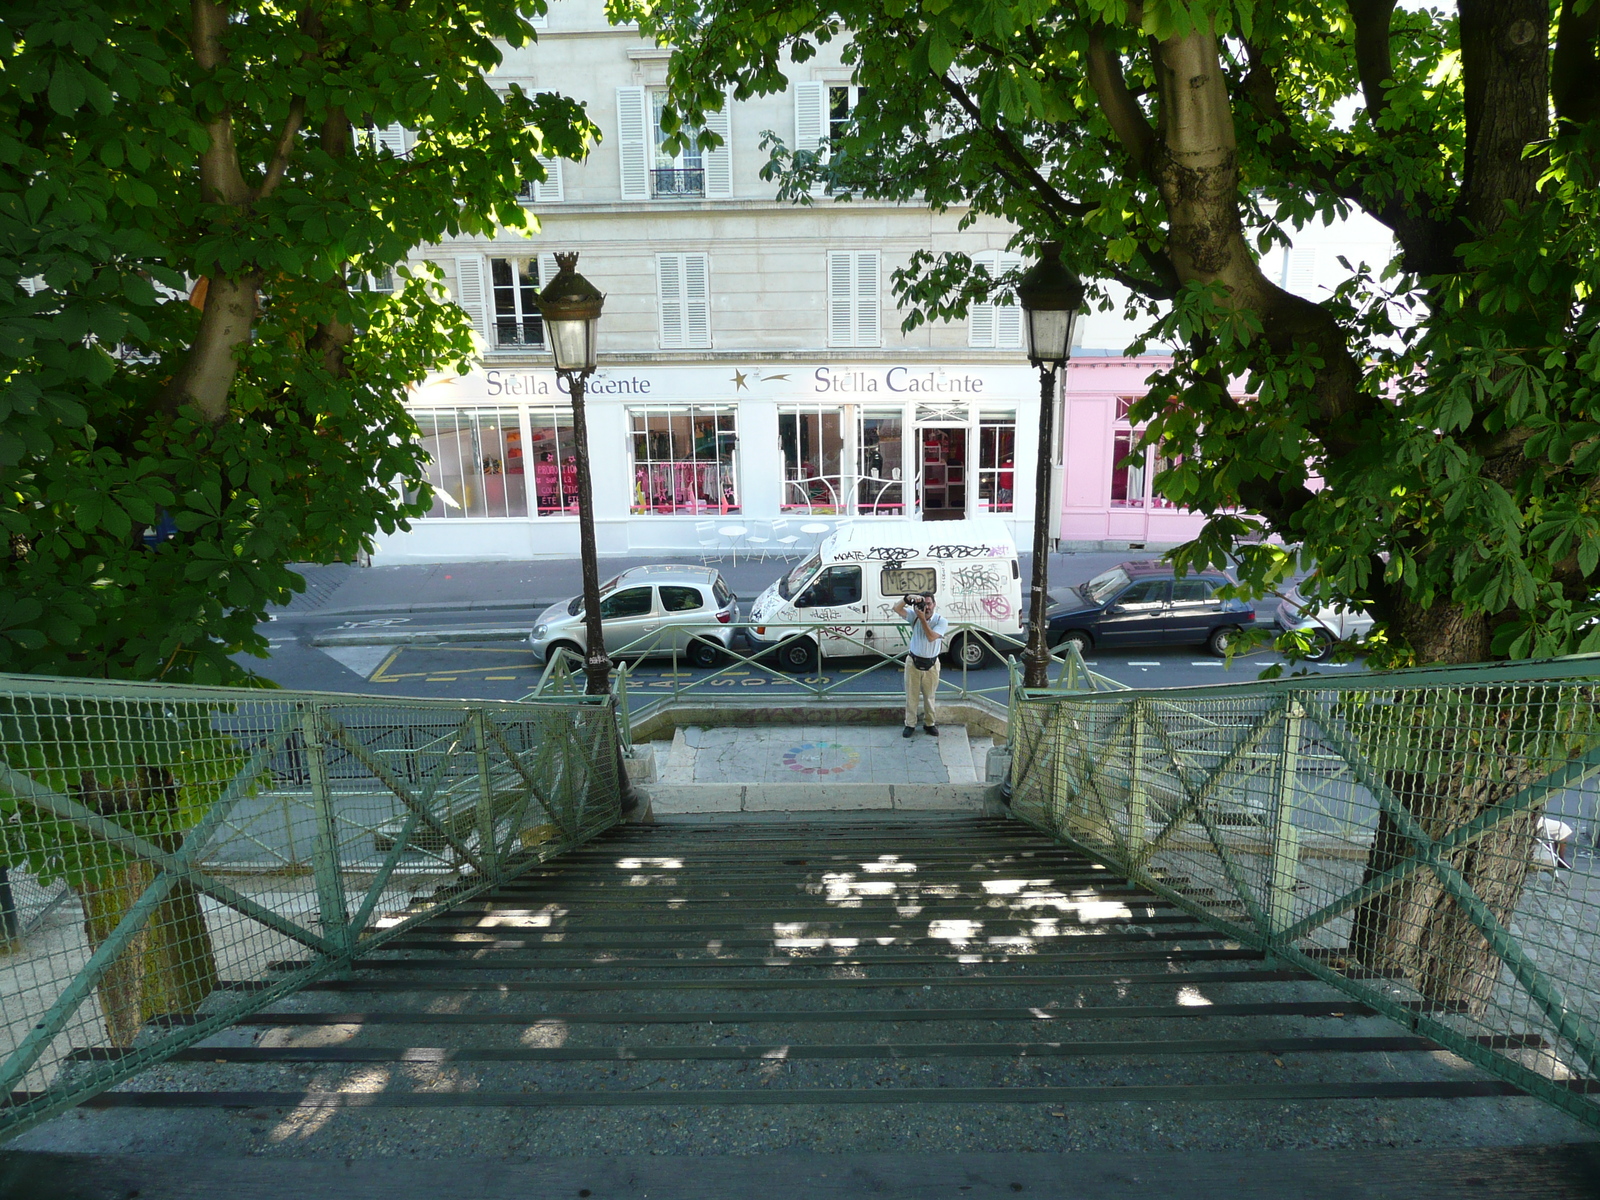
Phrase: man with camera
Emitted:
{"points": [[922, 663]]}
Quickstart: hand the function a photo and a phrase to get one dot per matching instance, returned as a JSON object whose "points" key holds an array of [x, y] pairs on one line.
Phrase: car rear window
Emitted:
{"points": [[720, 591], [677, 598]]}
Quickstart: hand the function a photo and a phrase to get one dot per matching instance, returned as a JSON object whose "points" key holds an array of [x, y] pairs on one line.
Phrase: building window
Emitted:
{"points": [[997, 457], [1133, 482], [992, 325], [685, 459], [554, 455], [812, 438], [515, 283], [842, 101], [879, 487], [548, 190], [476, 461], [854, 298], [683, 292], [680, 174]]}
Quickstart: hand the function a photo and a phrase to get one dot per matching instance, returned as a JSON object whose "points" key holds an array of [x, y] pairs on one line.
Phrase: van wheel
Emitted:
{"points": [[971, 653], [1221, 639], [704, 654], [798, 656]]}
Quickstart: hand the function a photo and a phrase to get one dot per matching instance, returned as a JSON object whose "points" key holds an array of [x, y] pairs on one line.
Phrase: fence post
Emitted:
{"points": [[333, 910], [1284, 862], [486, 847], [1138, 793]]}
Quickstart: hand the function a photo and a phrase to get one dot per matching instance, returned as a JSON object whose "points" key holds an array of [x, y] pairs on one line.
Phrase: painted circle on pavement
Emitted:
{"points": [[821, 758]]}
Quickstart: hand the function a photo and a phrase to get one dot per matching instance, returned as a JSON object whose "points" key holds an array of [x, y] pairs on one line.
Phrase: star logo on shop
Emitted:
{"points": [[738, 381]]}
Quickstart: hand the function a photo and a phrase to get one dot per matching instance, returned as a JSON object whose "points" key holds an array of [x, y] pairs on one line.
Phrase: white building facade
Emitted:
{"points": [[752, 367]]}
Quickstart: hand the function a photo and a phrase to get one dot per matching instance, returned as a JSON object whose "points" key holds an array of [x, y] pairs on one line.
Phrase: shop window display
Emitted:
{"points": [[476, 462], [879, 487], [997, 457], [554, 454], [685, 459], [813, 459]]}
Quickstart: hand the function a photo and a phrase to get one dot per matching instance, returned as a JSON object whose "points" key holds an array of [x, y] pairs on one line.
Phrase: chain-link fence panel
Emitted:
{"points": [[1422, 839], [212, 850]]}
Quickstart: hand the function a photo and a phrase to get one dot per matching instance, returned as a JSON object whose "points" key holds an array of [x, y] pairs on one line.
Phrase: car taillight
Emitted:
{"points": [[724, 617]]}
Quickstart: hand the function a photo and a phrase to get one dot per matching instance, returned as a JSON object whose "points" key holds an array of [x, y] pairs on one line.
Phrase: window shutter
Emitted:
{"points": [[696, 302], [981, 317], [392, 138], [810, 114], [549, 191], [633, 132], [669, 292], [470, 294], [841, 310], [868, 332], [1300, 271], [718, 163], [547, 270], [1007, 317]]}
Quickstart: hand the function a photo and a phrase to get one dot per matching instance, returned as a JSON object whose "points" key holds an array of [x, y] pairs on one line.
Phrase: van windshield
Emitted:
{"points": [[791, 583]]}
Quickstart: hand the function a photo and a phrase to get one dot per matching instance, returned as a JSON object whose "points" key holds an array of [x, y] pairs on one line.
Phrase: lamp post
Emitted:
{"points": [[1050, 296], [570, 306]]}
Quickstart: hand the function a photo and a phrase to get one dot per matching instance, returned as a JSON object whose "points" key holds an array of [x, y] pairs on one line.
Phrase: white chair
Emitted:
{"points": [[759, 537], [783, 538], [710, 540]]}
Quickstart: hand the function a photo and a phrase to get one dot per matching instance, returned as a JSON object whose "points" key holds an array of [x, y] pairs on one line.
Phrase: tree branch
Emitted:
{"points": [[1118, 103], [1574, 71], [283, 151], [220, 175], [1374, 62]]}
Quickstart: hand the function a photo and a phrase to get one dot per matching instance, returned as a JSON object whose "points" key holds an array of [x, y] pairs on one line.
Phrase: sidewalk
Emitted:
{"points": [[344, 590]]}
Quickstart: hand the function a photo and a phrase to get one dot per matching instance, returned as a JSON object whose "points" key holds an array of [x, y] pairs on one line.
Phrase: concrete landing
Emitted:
{"points": [[818, 768]]}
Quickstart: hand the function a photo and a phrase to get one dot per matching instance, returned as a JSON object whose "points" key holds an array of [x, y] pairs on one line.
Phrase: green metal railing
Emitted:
{"points": [[870, 649], [1400, 835], [208, 835]]}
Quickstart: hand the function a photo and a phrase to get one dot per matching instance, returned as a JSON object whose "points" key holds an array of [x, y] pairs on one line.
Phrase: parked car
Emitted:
{"points": [[860, 572], [1327, 625], [1144, 603], [648, 610]]}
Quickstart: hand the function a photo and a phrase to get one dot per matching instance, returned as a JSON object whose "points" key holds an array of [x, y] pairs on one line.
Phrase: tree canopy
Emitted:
{"points": [[1429, 432], [200, 378]]}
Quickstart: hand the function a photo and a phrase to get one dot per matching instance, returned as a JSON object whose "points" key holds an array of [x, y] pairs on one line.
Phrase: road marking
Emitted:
{"points": [[1206, 662], [441, 679], [499, 677], [1144, 664]]}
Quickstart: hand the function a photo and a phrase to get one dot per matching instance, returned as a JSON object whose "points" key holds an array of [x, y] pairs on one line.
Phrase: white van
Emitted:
{"points": [[859, 573]]}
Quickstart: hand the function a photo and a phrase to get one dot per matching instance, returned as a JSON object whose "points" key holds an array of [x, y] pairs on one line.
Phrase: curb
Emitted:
{"points": [[426, 637]]}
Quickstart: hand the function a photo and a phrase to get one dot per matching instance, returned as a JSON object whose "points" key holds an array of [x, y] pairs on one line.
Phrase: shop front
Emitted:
{"points": [[680, 453]]}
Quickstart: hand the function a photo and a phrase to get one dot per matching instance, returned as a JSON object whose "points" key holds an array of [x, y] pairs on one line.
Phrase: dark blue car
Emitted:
{"points": [[1144, 604]]}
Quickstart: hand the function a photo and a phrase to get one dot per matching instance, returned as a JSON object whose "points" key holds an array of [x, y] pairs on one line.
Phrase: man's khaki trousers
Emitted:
{"points": [[921, 685]]}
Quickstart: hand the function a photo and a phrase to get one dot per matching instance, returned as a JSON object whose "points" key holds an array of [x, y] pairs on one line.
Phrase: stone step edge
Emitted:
{"points": [[820, 797]]}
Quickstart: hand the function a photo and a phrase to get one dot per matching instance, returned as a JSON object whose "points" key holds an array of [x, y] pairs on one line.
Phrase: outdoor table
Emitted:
{"points": [[734, 534]]}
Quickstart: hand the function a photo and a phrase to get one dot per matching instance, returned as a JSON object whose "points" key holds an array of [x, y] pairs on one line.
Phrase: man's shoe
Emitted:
{"points": [[933, 730], [910, 729]]}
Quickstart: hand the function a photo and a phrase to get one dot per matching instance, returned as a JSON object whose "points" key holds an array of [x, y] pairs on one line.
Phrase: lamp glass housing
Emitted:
{"points": [[1050, 334], [574, 341]]}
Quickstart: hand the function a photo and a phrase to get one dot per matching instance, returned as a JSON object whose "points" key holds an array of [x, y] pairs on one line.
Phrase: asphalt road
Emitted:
{"points": [[508, 670]]}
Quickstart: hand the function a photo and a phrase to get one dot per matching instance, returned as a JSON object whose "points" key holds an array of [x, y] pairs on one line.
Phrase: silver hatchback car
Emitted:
{"points": [[646, 611]]}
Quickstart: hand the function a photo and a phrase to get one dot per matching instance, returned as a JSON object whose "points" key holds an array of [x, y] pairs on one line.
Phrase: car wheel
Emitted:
{"points": [[1078, 638], [971, 653], [1321, 646], [799, 655], [571, 648], [704, 654], [1221, 639]]}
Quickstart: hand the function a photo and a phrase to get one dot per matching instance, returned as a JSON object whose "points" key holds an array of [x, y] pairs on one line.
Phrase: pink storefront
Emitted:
{"points": [[1105, 506]]}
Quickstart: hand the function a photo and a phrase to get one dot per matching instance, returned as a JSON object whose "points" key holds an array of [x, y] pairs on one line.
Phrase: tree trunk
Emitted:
{"points": [[105, 899]]}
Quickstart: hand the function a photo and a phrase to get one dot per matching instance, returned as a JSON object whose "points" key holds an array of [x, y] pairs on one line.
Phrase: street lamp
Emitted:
{"points": [[570, 306], [1051, 297]]}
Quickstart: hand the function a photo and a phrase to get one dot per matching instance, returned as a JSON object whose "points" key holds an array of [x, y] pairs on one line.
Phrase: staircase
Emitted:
{"points": [[927, 983]]}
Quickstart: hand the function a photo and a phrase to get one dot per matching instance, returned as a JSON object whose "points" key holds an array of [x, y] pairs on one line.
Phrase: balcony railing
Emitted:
{"points": [[678, 181], [519, 333]]}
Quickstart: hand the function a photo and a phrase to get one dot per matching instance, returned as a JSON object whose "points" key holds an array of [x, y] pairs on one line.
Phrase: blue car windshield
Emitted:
{"points": [[1102, 587]]}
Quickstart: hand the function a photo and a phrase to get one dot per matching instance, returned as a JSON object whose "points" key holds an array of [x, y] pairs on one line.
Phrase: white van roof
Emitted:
{"points": [[986, 535]]}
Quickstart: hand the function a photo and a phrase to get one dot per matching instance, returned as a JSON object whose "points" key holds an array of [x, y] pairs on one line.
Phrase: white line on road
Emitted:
{"points": [[1206, 662], [1144, 664]]}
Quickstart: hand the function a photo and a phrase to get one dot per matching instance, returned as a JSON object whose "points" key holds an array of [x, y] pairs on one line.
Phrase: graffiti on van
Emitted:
{"points": [[996, 606], [975, 579], [959, 551]]}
